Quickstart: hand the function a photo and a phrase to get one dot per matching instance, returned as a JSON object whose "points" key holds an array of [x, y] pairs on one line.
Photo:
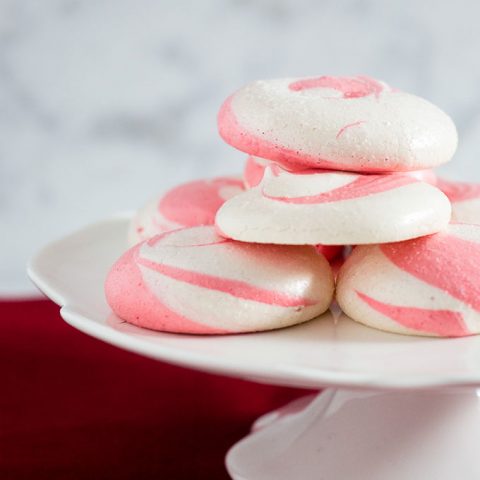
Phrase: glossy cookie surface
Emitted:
{"points": [[427, 286], [333, 208], [193, 281]]}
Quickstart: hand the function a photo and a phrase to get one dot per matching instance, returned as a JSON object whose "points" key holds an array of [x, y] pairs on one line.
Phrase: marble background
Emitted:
{"points": [[105, 103]]}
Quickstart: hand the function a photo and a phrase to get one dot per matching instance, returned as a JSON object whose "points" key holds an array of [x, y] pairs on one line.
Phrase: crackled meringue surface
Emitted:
{"points": [[465, 200], [333, 208], [426, 286], [194, 281], [342, 123], [187, 205]]}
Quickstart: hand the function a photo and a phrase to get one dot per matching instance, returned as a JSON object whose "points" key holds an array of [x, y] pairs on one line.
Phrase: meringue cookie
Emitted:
{"points": [[252, 176], [333, 208], [465, 200], [193, 281], [342, 123], [427, 286], [187, 205], [255, 168]]}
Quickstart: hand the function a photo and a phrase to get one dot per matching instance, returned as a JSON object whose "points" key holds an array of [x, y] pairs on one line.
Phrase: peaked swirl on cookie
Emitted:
{"points": [[333, 208]]}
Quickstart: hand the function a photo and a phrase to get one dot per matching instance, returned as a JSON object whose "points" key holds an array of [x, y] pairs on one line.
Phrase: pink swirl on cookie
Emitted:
{"points": [[425, 286], [349, 87], [346, 127], [233, 133], [447, 262], [314, 207], [253, 174], [132, 300], [196, 203], [234, 287], [342, 123], [465, 199], [443, 323], [193, 281], [361, 186], [255, 168], [459, 191], [187, 205]]}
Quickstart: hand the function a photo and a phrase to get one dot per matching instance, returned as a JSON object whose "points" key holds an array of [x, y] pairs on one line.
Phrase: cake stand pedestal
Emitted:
{"points": [[344, 434], [396, 407]]}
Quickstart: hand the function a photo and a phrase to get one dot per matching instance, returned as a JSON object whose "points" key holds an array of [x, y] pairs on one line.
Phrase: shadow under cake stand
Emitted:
{"points": [[393, 407]]}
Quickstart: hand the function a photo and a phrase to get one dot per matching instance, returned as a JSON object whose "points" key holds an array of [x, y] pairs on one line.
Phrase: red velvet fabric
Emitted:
{"points": [[72, 407]]}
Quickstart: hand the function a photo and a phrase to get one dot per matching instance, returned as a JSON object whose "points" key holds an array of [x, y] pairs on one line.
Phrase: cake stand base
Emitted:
{"points": [[344, 435]]}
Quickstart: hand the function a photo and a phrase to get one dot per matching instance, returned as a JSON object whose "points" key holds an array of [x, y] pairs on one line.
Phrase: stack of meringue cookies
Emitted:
{"points": [[338, 201]]}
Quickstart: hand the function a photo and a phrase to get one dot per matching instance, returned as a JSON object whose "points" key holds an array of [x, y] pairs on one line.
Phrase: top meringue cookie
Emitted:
{"points": [[342, 123]]}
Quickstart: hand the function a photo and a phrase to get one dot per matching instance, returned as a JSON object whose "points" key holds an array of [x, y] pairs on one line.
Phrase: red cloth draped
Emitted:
{"points": [[72, 407]]}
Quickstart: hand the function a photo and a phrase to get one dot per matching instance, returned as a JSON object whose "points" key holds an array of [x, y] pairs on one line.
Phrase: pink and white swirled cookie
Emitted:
{"points": [[252, 176], [465, 200], [193, 281], [341, 123], [426, 286], [187, 205], [255, 168], [333, 208]]}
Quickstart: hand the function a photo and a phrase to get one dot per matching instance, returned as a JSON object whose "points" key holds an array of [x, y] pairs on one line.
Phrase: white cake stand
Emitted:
{"points": [[395, 407]]}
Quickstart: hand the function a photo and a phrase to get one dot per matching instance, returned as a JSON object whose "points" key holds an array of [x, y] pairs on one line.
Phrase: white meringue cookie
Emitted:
{"points": [[426, 286], [333, 208], [193, 281], [342, 123], [186, 205]]}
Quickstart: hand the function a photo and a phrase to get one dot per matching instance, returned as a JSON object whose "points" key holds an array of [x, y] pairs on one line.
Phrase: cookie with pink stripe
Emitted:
{"points": [[255, 167], [340, 123], [194, 281], [427, 286], [465, 200], [333, 208], [187, 205], [252, 176]]}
